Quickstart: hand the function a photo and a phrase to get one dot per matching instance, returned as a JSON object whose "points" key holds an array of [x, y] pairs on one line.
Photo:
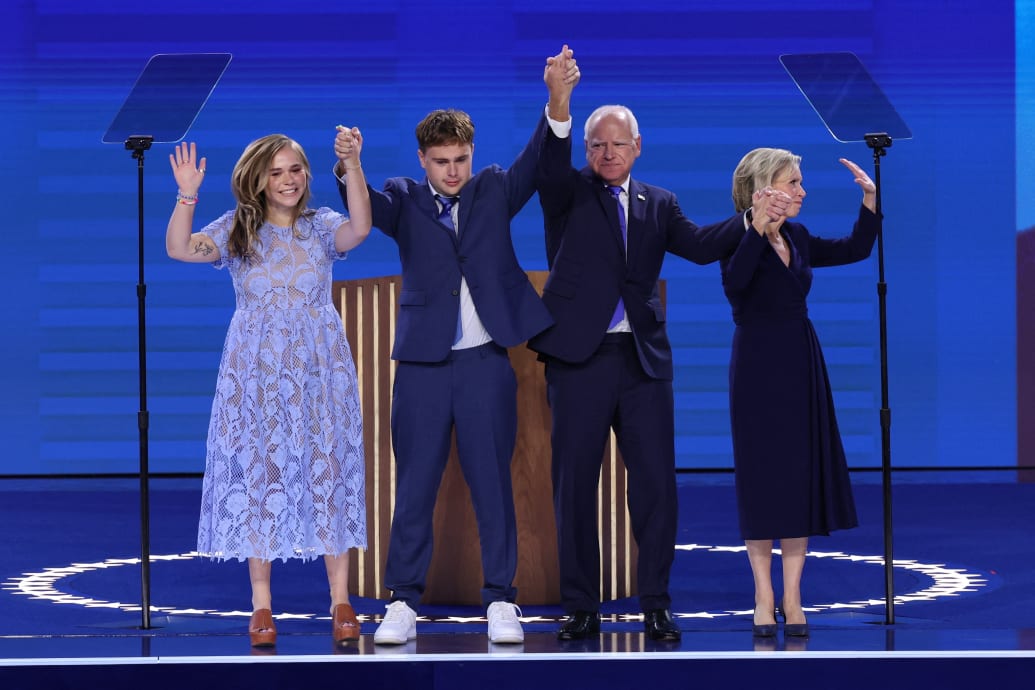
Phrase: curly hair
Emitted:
{"points": [[248, 182]]}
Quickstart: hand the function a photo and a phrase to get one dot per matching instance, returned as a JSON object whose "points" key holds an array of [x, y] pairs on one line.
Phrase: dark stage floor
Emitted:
{"points": [[964, 585]]}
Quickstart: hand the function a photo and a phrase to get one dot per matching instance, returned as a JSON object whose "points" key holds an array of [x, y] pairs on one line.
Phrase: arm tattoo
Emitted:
{"points": [[202, 247]]}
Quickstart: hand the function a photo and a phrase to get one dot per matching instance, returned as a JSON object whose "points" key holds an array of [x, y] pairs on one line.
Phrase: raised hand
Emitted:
{"points": [[187, 169], [864, 181], [561, 74], [348, 144]]}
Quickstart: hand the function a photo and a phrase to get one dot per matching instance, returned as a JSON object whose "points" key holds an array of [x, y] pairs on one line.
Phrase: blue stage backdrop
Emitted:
{"points": [[703, 77]]}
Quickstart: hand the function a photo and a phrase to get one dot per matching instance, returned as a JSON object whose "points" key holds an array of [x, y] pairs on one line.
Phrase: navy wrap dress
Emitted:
{"points": [[790, 468]]}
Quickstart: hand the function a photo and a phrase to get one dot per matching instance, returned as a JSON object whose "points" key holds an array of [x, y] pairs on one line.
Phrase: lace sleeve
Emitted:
{"points": [[219, 232], [325, 222]]}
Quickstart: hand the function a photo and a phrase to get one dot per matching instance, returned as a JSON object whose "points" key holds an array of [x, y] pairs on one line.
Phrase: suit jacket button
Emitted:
{"points": [[455, 293]]}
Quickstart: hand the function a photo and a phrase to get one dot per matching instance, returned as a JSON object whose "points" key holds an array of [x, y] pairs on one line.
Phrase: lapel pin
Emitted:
{"points": [[641, 197]]}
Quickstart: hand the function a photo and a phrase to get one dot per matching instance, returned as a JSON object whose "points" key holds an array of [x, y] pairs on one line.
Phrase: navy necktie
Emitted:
{"points": [[616, 192], [445, 216]]}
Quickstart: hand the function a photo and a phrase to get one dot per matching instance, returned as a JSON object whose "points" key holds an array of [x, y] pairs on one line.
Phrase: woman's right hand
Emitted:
{"points": [[187, 169]]}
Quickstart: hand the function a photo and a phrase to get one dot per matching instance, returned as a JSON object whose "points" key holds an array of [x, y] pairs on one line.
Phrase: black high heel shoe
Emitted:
{"points": [[792, 629], [765, 629]]}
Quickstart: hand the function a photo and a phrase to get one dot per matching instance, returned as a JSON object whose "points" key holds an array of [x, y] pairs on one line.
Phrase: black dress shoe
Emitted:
{"points": [[796, 629], [763, 630], [658, 625], [792, 629], [579, 626]]}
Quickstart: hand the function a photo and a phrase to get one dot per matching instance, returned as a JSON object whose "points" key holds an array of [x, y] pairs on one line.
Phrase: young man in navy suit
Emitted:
{"points": [[608, 358], [464, 300]]}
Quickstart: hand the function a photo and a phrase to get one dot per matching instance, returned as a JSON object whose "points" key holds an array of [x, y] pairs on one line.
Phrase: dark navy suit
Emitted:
{"points": [[598, 381], [473, 390]]}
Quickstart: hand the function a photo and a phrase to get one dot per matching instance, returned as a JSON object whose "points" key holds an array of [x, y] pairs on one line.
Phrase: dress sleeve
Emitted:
{"points": [[219, 232], [845, 250], [325, 223]]}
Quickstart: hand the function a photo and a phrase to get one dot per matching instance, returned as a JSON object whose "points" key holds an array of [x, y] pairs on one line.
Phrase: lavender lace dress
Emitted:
{"points": [[284, 463]]}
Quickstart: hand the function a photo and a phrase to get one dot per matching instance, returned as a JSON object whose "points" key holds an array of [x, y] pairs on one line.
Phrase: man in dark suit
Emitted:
{"points": [[464, 300], [608, 358]]}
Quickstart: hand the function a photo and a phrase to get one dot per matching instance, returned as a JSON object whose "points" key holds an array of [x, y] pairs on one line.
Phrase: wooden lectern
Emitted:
{"points": [[368, 309]]}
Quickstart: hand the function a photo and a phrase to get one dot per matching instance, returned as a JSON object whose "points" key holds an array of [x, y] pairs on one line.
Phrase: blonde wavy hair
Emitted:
{"points": [[248, 182], [757, 170]]}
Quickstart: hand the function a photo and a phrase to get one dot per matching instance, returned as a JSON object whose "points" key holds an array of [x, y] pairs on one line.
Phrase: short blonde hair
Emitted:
{"points": [[757, 170]]}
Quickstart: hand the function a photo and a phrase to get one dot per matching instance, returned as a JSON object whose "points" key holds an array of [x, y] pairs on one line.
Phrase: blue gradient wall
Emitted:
{"points": [[706, 84]]}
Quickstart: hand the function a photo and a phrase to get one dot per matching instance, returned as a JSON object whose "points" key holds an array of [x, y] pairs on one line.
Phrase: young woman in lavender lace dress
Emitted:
{"points": [[284, 463]]}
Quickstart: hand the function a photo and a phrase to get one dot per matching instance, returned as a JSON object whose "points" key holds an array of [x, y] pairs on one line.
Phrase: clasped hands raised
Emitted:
{"points": [[561, 72], [348, 144]]}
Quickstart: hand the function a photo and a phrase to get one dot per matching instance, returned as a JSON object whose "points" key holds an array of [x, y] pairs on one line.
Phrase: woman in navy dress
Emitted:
{"points": [[791, 475]]}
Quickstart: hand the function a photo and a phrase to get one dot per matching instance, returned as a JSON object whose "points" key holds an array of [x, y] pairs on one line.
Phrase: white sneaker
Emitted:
{"points": [[398, 626], [504, 626]]}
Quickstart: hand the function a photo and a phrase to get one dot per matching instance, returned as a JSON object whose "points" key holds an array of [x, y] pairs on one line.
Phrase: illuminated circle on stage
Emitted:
{"points": [[945, 582]]}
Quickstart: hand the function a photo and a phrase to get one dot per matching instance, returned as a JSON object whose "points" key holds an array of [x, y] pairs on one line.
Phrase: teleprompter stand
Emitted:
{"points": [[854, 108], [161, 107]]}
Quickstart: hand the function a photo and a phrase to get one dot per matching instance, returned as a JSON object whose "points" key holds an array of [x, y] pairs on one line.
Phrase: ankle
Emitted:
{"points": [[792, 612], [764, 616], [790, 605]]}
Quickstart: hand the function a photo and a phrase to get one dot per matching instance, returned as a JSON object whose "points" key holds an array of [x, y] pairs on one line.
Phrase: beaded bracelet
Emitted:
{"points": [[186, 199]]}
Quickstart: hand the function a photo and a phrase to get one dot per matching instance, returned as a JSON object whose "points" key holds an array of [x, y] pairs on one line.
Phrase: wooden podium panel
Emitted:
{"points": [[368, 308]]}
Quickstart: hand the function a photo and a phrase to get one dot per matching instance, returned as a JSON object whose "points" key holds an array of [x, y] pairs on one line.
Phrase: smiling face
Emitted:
{"points": [[287, 181], [611, 147], [448, 166]]}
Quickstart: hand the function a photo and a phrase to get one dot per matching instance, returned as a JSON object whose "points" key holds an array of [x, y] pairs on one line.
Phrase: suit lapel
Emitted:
{"points": [[425, 201]]}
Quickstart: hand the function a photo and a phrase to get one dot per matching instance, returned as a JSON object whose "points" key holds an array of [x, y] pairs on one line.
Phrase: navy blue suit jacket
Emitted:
{"points": [[589, 270], [433, 257]]}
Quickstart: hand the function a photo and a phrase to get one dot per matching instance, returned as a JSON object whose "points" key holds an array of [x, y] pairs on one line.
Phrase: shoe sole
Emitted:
{"points": [[507, 639], [393, 640]]}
